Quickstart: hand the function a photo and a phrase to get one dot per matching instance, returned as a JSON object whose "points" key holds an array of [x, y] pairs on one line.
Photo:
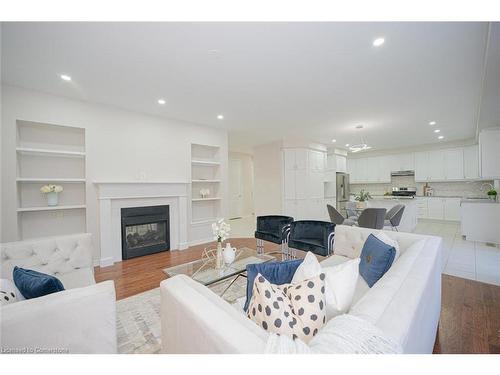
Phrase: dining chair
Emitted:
{"points": [[337, 218], [394, 216], [350, 208], [373, 218]]}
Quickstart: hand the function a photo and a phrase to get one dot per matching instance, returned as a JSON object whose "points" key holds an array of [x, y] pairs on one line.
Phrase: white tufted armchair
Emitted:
{"points": [[81, 319]]}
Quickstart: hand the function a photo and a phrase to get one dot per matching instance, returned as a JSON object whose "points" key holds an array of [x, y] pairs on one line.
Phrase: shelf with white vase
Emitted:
{"points": [[206, 190], [51, 208], [50, 154]]}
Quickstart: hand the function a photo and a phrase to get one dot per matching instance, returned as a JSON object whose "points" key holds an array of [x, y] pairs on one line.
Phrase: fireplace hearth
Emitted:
{"points": [[145, 230]]}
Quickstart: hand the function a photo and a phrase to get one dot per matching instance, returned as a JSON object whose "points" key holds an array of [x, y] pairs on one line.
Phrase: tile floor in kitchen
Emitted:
{"points": [[467, 259]]}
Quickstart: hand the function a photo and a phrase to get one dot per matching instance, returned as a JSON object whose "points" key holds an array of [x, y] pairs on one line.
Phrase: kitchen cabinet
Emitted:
{"points": [[304, 184], [489, 150], [401, 162], [422, 208], [421, 166], [435, 208], [436, 165], [471, 162], [341, 163], [454, 164], [451, 209]]}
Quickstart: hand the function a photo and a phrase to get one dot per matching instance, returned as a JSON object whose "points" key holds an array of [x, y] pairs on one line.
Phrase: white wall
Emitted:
{"points": [[247, 170], [268, 179], [120, 145]]}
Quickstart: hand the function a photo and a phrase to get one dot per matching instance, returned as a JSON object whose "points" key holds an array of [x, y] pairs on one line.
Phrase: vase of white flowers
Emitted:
{"points": [[52, 192], [221, 231]]}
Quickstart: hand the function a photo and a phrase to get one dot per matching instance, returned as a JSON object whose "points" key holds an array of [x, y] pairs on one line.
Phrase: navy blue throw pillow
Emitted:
{"points": [[33, 284], [277, 273], [376, 259]]}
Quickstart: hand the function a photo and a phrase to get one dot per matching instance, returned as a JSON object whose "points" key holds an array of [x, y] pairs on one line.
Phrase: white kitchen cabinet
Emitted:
{"points": [[315, 184], [421, 166], [401, 162], [454, 164], [437, 165], [316, 160], [451, 209], [352, 169], [471, 162], [384, 169], [435, 208], [489, 150], [304, 184], [341, 163], [422, 207]]}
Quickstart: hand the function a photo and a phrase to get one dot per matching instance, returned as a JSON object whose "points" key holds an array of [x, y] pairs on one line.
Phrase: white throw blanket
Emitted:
{"points": [[344, 334]]}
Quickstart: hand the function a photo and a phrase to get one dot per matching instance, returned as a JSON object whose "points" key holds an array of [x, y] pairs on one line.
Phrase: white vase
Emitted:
{"points": [[52, 198], [219, 260], [229, 254]]}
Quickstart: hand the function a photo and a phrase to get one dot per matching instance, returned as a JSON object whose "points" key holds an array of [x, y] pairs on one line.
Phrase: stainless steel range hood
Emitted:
{"points": [[403, 173]]}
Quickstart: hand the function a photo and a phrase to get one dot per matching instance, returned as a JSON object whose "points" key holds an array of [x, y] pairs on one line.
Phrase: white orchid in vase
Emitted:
{"points": [[221, 230], [51, 189]]}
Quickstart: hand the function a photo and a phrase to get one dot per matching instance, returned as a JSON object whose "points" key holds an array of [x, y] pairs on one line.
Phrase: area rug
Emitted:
{"points": [[138, 317]]}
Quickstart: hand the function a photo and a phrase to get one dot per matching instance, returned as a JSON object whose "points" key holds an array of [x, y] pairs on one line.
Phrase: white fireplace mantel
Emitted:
{"points": [[115, 195]]}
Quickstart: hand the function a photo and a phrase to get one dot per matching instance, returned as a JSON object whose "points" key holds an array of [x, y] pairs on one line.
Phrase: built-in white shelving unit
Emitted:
{"points": [[50, 154], [205, 174], [49, 208]]}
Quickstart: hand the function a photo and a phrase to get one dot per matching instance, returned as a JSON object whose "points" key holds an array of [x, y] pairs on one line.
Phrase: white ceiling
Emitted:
{"points": [[316, 80]]}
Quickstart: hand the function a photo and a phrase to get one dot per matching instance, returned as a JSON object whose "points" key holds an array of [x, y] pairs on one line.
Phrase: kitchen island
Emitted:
{"points": [[409, 219], [480, 220]]}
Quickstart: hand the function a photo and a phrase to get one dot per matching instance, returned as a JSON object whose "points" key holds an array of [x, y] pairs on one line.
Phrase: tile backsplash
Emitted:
{"points": [[441, 189]]}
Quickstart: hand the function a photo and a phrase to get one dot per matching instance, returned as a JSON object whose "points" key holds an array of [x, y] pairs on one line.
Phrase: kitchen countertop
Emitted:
{"points": [[481, 201]]}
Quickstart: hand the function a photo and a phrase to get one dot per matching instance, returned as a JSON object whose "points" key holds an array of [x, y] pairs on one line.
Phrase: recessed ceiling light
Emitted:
{"points": [[162, 101], [359, 126], [65, 77], [347, 145], [440, 137], [334, 140], [437, 131], [432, 123], [378, 42], [220, 117]]}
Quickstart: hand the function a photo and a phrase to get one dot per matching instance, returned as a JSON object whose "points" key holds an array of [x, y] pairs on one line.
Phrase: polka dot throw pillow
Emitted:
{"points": [[9, 292], [297, 310]]}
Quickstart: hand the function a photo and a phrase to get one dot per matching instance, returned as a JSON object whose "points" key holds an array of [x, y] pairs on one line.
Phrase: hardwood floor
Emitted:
{"points": [[470, 310]]}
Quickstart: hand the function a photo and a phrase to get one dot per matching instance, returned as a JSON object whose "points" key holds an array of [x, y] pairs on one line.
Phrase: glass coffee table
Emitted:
{"points": [[204, 271]]}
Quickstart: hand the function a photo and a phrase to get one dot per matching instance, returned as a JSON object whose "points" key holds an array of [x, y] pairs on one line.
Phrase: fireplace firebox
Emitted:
{"points": [[145, 230]]}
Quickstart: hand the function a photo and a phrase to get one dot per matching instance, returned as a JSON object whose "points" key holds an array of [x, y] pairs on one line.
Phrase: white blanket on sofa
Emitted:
{"points": [[344, 334]]}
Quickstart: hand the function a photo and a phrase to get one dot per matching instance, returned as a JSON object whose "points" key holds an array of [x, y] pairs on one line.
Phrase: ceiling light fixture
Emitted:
{"points": [[432, 123], [334, 140], [437, 131], [378, 42], [440, 137], [161, 101], [347, 145], [220, 117], [65, 77], [363, 146]]}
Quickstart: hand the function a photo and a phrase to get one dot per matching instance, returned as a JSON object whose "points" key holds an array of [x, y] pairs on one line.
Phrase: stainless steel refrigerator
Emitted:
{"points": [[342, 192]]}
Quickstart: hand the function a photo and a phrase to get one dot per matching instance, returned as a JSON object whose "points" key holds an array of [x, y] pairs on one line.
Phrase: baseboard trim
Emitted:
{"points": [[199, 242], [106, 262]]}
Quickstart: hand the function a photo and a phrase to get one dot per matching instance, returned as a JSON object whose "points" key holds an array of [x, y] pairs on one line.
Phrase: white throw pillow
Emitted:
{"points": [[309, 268], [389, 241], [340, 282], [9, 292]]}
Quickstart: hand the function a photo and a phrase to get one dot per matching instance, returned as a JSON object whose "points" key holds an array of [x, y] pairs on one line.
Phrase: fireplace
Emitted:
{"points": [[145, 230]]}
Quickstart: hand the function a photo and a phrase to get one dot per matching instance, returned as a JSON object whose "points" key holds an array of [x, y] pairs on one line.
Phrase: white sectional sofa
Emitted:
{"points": [[81, 319], [405, 303]]}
